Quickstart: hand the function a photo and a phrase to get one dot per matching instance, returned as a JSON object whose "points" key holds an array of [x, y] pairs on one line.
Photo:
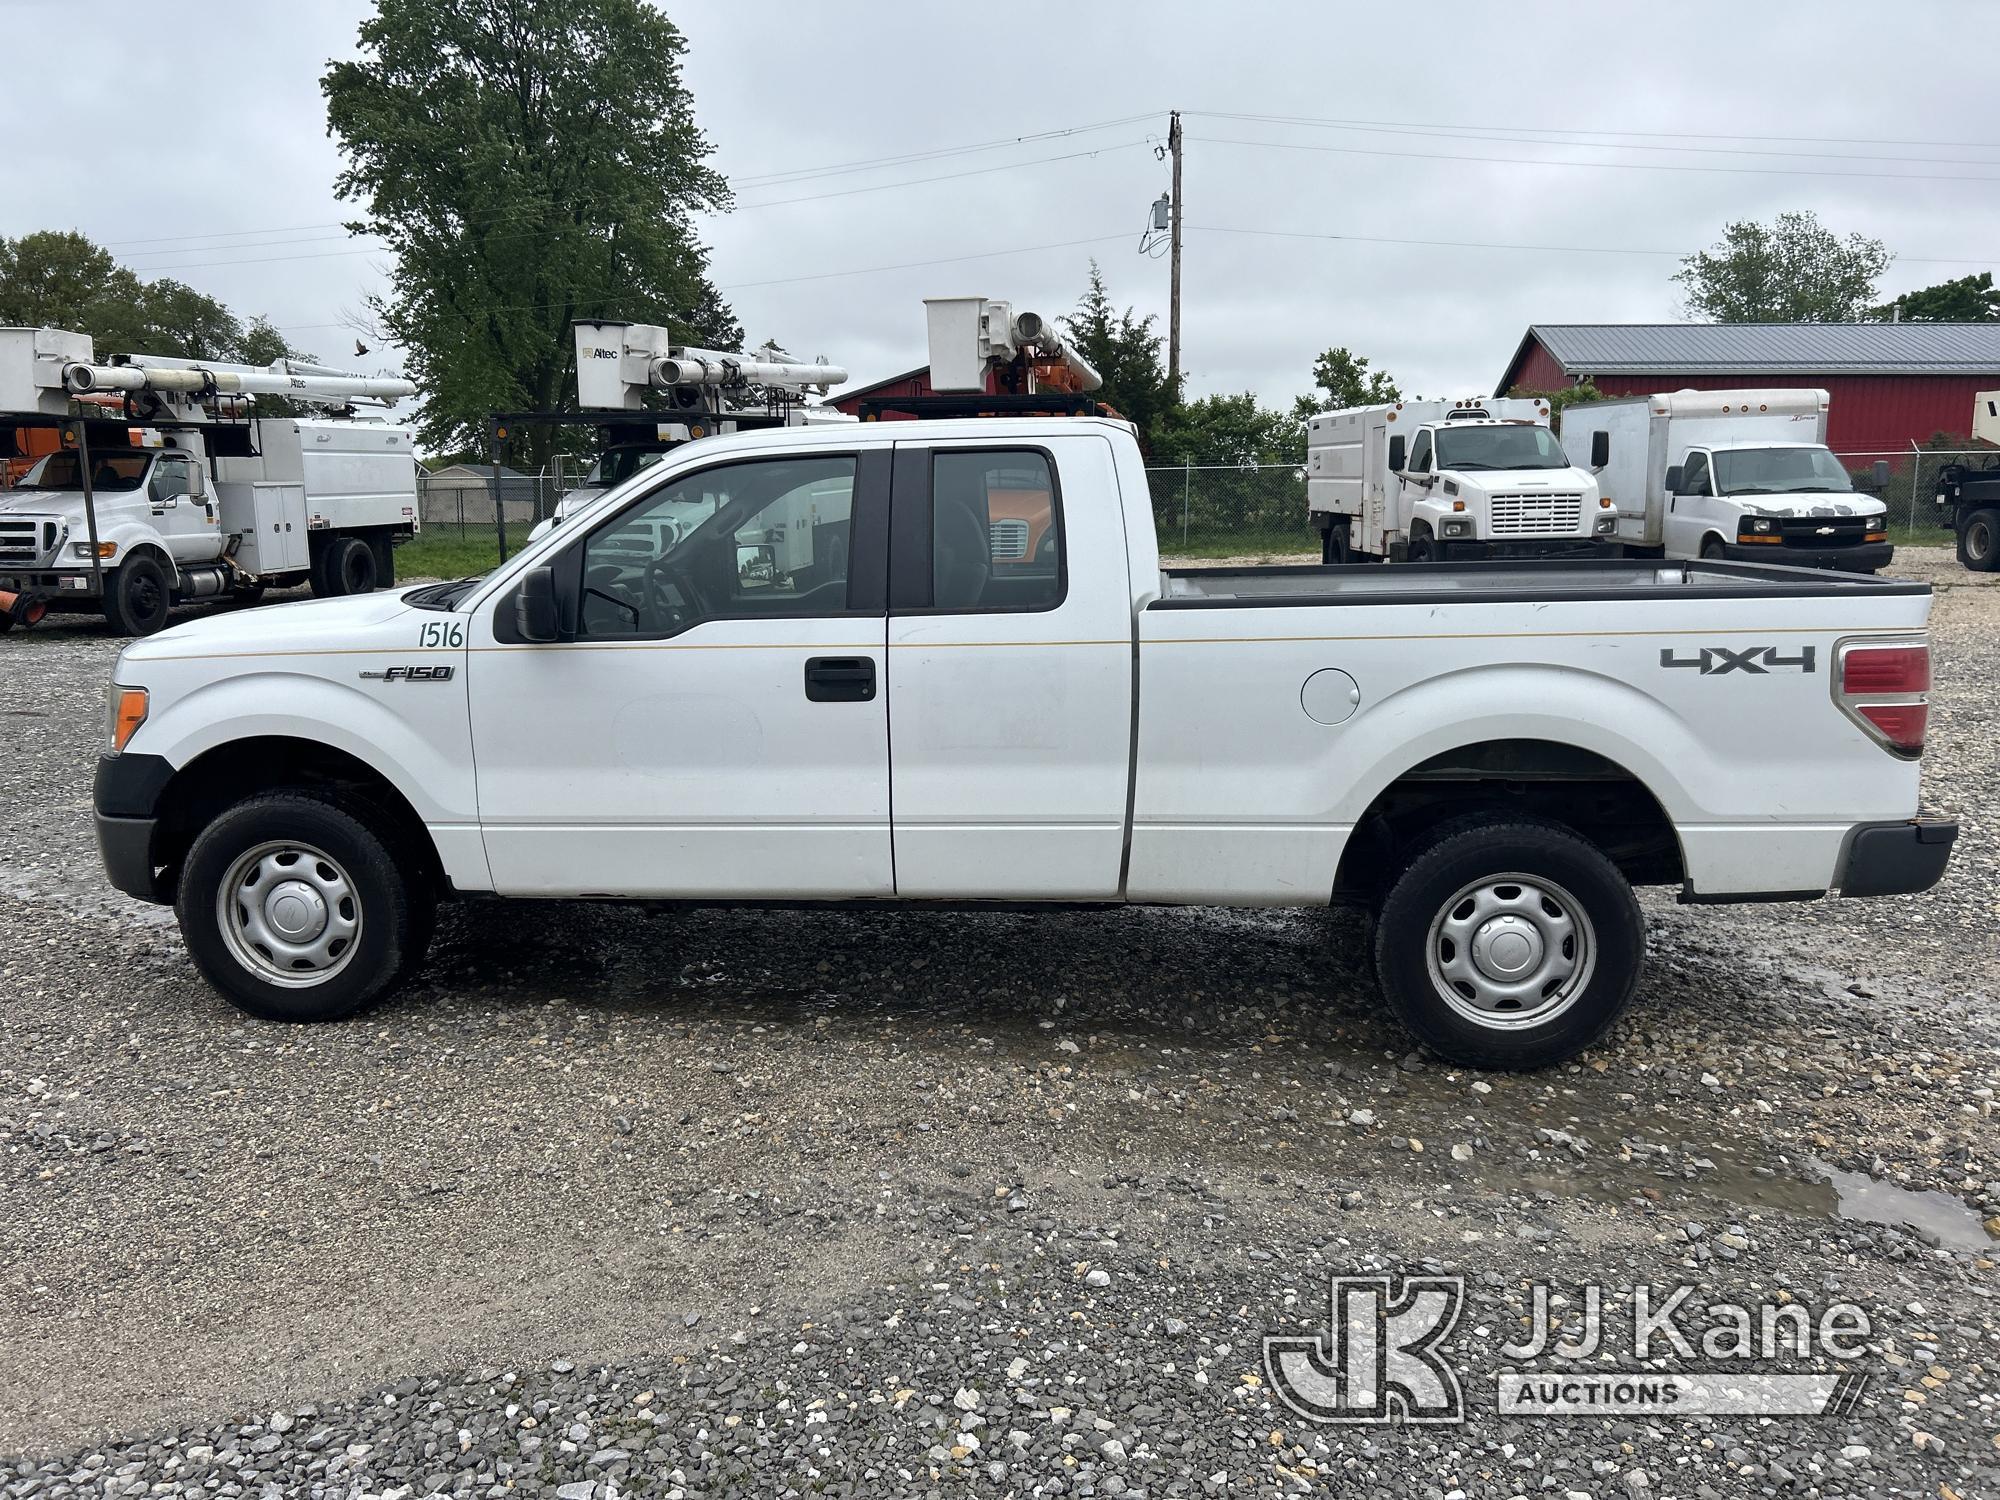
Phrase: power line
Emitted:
{"points": [[1374, 239], [944, 177], [738, 286], [1486, 133], [1657, 135], [1591, 166], [836, 169]]}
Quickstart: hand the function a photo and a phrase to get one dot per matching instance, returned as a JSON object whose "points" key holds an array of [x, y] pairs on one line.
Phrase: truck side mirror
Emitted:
{"points": [[1673, 479], [536, 617], [1600, 449], [1881, 473], [1397, 451]]}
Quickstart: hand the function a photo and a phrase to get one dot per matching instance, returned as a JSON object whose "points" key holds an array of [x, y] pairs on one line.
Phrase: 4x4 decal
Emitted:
{"points": [[1714, 661]]}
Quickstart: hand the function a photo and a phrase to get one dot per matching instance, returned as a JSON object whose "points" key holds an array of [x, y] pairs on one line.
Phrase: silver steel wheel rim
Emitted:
{"points": [[1511, 951], [289, 914]]}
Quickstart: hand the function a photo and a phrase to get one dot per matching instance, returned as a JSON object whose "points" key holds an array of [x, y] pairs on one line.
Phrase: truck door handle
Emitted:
{"points": [[840, 679]]}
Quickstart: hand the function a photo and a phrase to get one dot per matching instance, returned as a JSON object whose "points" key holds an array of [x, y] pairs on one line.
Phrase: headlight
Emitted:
{"points": [[1761, 524], [1457, 528], [1606, 525], [128, 712], [82, 549]]}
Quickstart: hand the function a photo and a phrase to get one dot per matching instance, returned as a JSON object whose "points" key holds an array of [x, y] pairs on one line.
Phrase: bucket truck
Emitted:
{"points": [[647, 396], [1968, 495], [186, 494]]}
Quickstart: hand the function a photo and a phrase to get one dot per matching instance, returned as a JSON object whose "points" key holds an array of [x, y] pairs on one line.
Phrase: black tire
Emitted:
{"points": [[248, 594], [1436, 888], [1711, 548], [1423, 548], [137, 596], [390, 924], [316, 569], [349, 567], [1979, 541], [384, 549], [1335, 548]]}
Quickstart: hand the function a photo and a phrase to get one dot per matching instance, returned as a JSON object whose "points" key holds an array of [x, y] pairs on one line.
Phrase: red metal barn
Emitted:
{"points": [[1891, 383]]}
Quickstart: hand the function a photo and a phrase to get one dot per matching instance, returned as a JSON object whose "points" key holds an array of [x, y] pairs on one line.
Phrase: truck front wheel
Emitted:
{"points": [[1510, 944], [1423, 548], [1979, 541], [137, 596], [295, 908]]}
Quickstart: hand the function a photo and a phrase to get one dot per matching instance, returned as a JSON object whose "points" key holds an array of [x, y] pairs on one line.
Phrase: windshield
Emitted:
{"points": [[1509, 446], [620, 464], [1780, 471], [108, 471]]}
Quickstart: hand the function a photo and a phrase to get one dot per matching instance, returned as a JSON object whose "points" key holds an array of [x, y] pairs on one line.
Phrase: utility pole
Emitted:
{"points": [[1174, 293]]}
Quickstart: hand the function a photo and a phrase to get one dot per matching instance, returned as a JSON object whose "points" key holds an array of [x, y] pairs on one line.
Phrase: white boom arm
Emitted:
{"points": [[190, 377], [707, 367]]}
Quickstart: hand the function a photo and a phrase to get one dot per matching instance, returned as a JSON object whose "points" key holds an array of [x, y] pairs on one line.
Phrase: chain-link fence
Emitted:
{"points": [[1232, 511], [1912, 487]]}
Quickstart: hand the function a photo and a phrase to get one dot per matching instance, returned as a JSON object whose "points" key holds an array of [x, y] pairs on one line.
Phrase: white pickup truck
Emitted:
{"points": [[1489, 756]]}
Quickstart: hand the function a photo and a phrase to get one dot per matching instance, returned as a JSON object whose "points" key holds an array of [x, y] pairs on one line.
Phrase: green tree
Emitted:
{"points": [[1793, 270], [1969, 299], [60, 279], [1343, 380], [529, 162], [1563, 398], [1125, 351], [186, 323], [1229, 430]]}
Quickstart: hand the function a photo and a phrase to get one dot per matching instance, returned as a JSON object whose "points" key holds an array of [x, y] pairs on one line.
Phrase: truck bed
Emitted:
{"points": [[1510, 582]]}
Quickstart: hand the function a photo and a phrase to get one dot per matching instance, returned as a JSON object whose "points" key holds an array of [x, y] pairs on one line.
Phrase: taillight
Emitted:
{"points": [[1885, 688]]}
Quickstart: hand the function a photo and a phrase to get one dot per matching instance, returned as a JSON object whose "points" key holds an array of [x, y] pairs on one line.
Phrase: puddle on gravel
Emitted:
{"points": [[1930, 1214]]}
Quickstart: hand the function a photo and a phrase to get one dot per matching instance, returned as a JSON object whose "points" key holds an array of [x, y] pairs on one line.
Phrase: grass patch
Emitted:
{"points": [[442, 552]]}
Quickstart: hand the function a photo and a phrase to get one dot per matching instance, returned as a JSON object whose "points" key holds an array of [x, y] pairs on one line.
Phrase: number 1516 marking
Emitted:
{"points": [[441, 633]]}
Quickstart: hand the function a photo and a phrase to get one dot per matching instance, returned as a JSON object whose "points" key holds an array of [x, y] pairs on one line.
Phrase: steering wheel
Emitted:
{"points": [[663, 578]]}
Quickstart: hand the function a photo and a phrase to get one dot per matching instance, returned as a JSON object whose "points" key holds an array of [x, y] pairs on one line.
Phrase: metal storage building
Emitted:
{"points": [[1891, 383]]}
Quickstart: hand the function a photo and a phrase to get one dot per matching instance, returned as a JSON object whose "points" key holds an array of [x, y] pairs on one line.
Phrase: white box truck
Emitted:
{"points": [[1741, 476], [1428, 481]]}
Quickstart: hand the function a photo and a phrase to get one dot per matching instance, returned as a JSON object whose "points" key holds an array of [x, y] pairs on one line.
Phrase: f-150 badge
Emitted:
{"points": [[410, 674], [1714, 661]]}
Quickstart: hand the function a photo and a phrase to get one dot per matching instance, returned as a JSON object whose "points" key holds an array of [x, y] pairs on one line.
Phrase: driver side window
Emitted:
{"points": [[757, 539], [1694, 475], [1420, 454], [170, 478]]}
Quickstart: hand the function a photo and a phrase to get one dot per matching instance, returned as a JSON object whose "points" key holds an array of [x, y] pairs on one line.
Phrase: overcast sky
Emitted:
{"points": [[1731, 111]]}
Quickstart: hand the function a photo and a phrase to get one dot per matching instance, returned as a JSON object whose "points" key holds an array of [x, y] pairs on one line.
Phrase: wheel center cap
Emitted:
{"points": [[295, 910], [1507, 947]]}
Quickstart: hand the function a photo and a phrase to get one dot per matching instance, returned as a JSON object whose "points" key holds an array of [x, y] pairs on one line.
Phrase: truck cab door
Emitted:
{"points": [[710, 720], [1413, 484], [1691, 508], [183, 511], [1011, 669]]}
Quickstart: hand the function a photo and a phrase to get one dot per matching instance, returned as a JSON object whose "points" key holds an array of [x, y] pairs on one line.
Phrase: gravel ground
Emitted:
{"points": [[956, 1203]]}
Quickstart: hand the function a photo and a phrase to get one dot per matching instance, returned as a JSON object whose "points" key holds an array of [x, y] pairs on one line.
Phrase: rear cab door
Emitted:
{"points": [[1010, 667]]}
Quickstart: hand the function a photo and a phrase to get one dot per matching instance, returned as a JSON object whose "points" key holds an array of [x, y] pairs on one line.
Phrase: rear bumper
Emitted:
{"points": [[1863, 559], [126, 797], [1894, 859]]}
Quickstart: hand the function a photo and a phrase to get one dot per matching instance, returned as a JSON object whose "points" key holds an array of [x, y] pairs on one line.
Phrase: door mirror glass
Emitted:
{"points": [[1397, 453], [1600, 449], [535, 615], [1673, 479]]}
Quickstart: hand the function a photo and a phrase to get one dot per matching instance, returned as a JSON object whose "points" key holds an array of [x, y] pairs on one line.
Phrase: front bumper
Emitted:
{"points": [[1452, 550], [66, 588], [1894, 859], [1866, 558], [125, 798]]}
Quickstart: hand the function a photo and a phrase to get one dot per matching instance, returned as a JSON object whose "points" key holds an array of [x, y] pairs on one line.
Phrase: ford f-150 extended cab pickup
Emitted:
{"points": [[1489, 756]]}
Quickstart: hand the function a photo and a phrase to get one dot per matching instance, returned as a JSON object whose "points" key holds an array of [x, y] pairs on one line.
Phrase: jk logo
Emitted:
{"points": [[1378, 1360]]}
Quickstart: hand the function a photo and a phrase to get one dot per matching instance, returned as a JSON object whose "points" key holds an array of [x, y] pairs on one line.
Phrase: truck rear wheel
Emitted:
{"points": [[295, 908], [137, 596], [1979, 541], [346, 567], [1510, 944]]}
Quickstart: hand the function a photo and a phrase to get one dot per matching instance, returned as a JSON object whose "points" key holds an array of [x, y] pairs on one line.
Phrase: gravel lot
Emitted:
{"points": [[955, 1204]]}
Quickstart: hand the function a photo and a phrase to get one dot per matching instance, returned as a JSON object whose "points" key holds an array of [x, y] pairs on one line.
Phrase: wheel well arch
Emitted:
{"points": [[219, 778], [1591, 794], [157, 553]]}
